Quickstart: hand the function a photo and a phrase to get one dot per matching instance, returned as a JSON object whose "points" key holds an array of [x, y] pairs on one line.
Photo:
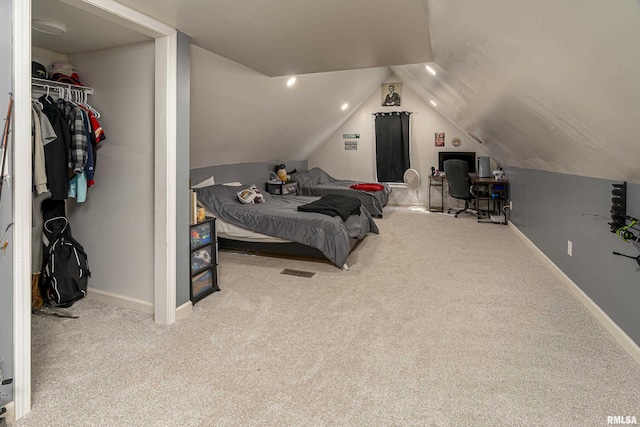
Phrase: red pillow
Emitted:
{"points": [[368, 187]]}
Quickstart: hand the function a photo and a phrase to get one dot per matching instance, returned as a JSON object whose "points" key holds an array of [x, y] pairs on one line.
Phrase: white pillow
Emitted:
{"points": [[206, 183], [233, 184]]}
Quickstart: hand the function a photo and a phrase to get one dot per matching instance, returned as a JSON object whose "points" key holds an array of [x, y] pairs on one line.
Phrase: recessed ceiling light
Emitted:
{"points": [[431, 70], [48, 27], [345, 106], [433, 103], [291, 81]]}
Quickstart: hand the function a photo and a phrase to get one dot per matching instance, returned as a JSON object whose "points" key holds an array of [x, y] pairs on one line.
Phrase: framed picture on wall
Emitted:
{"points": [[439, 139], [391, 94]]}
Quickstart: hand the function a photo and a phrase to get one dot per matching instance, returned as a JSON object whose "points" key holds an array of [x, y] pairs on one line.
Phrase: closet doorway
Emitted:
{"points": [[162, 207]]}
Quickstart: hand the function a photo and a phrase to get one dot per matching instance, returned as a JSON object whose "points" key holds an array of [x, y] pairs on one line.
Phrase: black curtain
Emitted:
{"points": [[392, 145]]}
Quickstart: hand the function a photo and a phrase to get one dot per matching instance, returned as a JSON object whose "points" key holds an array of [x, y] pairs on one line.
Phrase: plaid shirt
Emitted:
{"points": [[79, 146]]}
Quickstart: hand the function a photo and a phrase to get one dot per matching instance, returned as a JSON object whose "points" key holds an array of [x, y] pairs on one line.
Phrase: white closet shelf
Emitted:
{"points": [[44, 83]]}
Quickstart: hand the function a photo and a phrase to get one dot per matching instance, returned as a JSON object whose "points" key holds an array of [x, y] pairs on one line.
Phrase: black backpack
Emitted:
{"points": [[65, 268]]}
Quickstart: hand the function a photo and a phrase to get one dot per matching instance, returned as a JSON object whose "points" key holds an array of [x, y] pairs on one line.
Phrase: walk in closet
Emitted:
{"points": [[115, 66], [129, 222]]}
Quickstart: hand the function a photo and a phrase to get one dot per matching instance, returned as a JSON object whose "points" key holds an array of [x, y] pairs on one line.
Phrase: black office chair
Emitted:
{"points": [[457, 173]]}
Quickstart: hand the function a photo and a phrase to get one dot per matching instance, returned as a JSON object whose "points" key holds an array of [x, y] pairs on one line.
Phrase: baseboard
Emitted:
{"points": [[403, 205], [184, 311], [10, 415], [120, 300], [616, 332]]}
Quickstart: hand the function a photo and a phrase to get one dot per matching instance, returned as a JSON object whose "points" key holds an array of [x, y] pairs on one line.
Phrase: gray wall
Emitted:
{"points": [[240, 115], [182, 169], [552, 208], [6, 216], [247, 173], [115, 225]]}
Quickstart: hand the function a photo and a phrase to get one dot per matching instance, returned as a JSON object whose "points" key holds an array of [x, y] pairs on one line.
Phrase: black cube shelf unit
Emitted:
{"points": [[204, 259]]}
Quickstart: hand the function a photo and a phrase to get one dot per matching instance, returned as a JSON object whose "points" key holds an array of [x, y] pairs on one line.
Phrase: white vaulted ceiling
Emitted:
{"points": [[542, 84], [281, 37]]}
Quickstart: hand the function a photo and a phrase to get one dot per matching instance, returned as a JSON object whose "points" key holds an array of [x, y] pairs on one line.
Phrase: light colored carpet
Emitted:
{"points": [[439, 322]]}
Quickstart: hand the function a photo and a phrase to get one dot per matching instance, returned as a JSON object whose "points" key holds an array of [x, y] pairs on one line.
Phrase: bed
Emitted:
{"points": [[276, 224], [316, 182]]}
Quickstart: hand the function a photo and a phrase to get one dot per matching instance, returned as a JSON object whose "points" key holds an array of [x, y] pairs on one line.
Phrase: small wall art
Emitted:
{"points": [[439, 139], [391, 94], [351, 145]]}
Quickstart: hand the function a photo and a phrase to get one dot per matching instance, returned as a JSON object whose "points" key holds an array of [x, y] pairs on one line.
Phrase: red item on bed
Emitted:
{"points": [[368, 187]]}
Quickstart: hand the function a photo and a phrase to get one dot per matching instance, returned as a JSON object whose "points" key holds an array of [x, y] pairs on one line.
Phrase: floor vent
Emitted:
{"points": [[298, 273]]}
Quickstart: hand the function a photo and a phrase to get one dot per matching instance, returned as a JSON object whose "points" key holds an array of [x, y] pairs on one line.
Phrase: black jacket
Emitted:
{"points": [[56, 153], [334, 205]]}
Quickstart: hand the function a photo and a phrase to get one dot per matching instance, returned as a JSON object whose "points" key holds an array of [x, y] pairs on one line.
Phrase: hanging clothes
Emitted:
{"points": [[89, 167], [78, 142], [39, 175], [43, 134], [48, 134], [96, 136], [97, 129], [37, 150], [78, 187], [72, 133], [56, 152]]}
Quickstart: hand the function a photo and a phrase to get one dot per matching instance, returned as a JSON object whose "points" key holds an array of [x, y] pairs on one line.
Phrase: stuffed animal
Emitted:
{"points": [[282, 174], [201, 215], [281, 170]]}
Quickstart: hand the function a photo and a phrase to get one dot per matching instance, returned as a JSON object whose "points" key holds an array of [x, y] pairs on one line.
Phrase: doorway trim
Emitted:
{"points": [[21, 12], [165, 147]]}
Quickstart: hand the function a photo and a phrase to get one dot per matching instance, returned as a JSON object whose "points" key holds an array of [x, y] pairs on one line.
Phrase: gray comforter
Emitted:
{"points": [[279, 217], [316, 182]]}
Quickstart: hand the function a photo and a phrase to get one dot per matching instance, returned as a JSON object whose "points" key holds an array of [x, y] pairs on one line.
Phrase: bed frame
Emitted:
{"points": [[258, 173], [281, 250]]}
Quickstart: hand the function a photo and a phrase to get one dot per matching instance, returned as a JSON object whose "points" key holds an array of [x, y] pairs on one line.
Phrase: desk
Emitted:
{"points": [[490, 190], [495, 192], [436, 181]]}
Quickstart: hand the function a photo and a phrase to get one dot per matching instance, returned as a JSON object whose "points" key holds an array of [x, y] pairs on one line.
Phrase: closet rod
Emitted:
{"points": [[43, 83]]}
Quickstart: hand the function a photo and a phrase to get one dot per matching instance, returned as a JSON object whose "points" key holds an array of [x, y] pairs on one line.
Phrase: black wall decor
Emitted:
{"points": [[625, 226], [618, 207]]}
